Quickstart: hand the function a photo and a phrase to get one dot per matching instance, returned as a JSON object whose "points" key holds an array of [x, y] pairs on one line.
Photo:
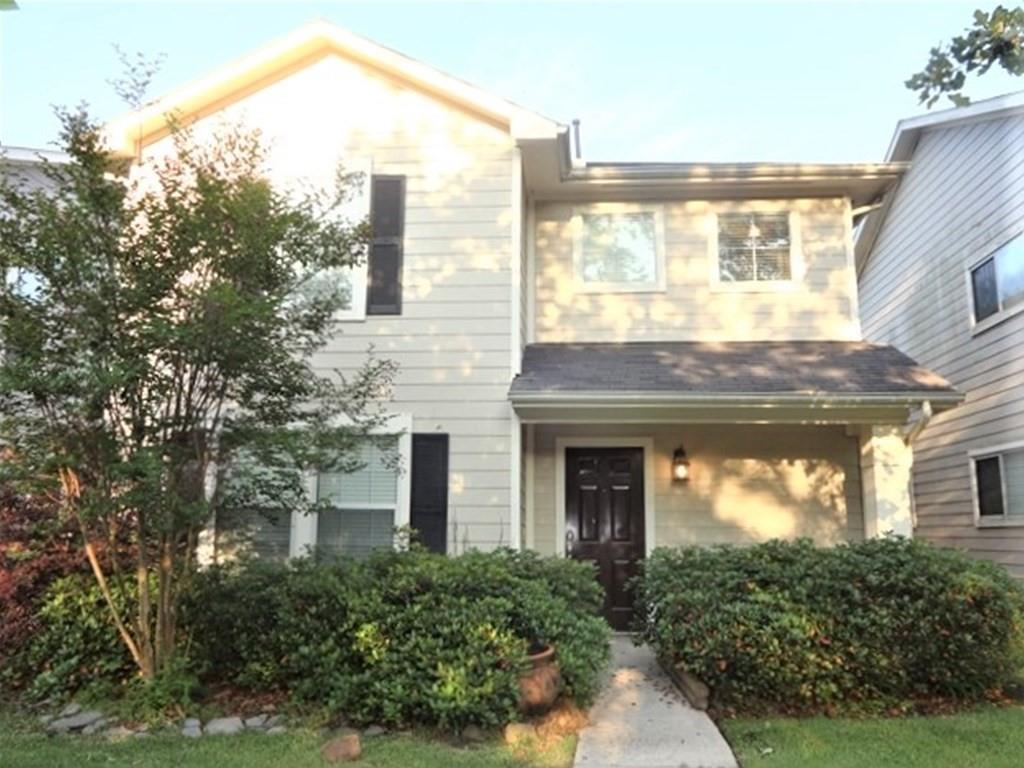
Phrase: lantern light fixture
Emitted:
{"points": [[680, 465]]}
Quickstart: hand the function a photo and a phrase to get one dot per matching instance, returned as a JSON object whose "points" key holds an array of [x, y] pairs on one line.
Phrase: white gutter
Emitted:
{"points": [[747, 400]]}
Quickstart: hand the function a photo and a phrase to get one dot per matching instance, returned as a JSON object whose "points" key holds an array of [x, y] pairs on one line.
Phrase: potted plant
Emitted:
{"points": [[541, 680]]}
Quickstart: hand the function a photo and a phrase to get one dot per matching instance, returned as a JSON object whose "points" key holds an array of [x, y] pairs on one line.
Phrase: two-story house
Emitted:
{"points": [[595, 359], [941, 269]]}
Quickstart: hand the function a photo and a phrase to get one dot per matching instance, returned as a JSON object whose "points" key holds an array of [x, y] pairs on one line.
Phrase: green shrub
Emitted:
{"points": [[858, 626], [400, 638], [76, 644]]}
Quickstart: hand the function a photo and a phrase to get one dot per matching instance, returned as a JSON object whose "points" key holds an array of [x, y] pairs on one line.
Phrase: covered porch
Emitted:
{"points": [[628, 447]]}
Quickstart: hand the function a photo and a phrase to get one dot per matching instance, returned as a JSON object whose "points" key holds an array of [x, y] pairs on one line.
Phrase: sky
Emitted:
{"points": [[808, 82]]}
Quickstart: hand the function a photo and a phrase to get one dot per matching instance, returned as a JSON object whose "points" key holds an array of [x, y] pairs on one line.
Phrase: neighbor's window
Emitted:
{"points": [[619, 250], [997, 283], [362, 503], [999, 482], [754, 247]]}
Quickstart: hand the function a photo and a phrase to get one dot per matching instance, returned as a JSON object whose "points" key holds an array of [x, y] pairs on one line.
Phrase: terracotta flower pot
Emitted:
{"points": [[541, 683]]}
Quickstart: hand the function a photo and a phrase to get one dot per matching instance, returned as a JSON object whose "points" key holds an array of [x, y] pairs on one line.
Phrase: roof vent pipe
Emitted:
{"points": [[576, 136]]}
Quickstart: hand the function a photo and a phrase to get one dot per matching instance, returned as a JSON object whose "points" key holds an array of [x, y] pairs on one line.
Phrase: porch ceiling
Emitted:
{"points": [[789, 381]]}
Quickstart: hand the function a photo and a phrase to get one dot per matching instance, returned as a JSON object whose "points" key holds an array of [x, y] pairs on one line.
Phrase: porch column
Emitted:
{"points": [[885, 464]]}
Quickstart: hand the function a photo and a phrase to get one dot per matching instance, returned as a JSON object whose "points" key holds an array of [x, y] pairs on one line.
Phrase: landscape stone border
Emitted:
{"points": [[75, 721]]}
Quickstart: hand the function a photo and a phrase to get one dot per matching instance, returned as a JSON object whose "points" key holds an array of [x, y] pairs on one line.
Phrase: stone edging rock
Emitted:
{"points": [[73, 720]]}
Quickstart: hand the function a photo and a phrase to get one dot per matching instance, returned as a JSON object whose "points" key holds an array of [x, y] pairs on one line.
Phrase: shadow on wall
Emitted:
{"points": [[781, 499]]}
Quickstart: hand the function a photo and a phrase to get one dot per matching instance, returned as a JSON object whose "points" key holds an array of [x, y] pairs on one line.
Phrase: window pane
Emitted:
{"points": [[773, 264], [264, 533], [990, 487], [1013, 466], [735, 263], [375, 483], [753, 246], [619, 248], [986, 297], [324, 283], [354, 532], [1010, 271]]}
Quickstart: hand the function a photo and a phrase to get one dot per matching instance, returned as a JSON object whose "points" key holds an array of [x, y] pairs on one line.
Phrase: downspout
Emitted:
{"points": [[918, 421]]}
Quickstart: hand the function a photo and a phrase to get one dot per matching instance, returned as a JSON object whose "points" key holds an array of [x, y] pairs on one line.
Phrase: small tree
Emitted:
{"points": [[995, 38], [158, 330]]}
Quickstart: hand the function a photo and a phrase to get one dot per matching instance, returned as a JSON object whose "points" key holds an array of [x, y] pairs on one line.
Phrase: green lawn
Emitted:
{"points": [[21, 747], [986, 738]]}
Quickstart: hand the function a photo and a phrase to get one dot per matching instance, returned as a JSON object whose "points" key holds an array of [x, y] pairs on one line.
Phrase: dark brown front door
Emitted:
{"points": [[604, 520]]}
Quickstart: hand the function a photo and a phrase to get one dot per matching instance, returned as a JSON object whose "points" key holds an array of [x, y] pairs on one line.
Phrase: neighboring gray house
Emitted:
{"points": [[595, 358], [941, 272]]}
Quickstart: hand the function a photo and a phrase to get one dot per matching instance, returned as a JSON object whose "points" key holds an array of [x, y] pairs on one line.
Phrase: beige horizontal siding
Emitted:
{"points": [[822, 306], [961, 199], [748, 483], [452, 342]]}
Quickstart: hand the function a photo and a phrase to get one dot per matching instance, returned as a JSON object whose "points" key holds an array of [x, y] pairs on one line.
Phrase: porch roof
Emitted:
{"points": [[727, 373]]}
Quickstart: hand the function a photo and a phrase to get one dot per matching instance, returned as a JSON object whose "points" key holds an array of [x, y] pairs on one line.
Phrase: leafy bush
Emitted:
{"points": [[76, 644], [36, 549], [400, 638], [865, 625]]}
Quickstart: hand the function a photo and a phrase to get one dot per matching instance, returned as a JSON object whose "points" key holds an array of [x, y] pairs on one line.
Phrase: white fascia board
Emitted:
{"points": [[751, 400]]}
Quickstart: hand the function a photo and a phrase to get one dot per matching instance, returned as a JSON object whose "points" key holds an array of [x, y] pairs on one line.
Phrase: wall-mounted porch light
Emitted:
{"points": [[680, 465]]}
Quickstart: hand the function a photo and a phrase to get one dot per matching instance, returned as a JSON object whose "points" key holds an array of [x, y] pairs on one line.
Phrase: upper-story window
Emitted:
{"points": [[997, 283], [619, 248], [754, 249]]}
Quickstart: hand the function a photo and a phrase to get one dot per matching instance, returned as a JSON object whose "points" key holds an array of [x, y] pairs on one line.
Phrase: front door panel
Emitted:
{"points": [[604, 511]]}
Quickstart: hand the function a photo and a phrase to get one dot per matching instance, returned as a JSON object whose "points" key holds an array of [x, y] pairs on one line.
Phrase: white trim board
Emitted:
{"points": [[646, 443]]}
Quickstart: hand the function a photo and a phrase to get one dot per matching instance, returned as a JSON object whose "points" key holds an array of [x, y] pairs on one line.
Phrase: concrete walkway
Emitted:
{"points": [[640, 720]]}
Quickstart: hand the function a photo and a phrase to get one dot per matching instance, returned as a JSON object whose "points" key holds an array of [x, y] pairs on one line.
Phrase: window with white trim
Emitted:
{"points": [[362, 504], [351, 281], [997, 282], [754, 247], [619, 249], [999, 486]]}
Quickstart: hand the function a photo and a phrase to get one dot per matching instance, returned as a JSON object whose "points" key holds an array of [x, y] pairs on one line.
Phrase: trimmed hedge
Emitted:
{"points": [[871, 625], [400, 638]]}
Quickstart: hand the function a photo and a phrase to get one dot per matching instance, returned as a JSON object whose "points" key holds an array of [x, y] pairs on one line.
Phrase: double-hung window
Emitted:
{"points": [[754, 249], [619, 249], [997, 283], [361, 507], [998, 482]]}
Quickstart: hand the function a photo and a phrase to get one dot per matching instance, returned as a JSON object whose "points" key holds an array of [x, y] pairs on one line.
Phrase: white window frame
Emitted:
{"points": [[796, 260], [356, 312], [993, 521], [304, 527], [576, 225], [1002, 315]]}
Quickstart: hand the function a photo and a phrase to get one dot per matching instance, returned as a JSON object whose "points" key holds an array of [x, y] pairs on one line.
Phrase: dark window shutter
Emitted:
{"points": [[986, 291], [387, 220], [428, 507], [990, 486]]}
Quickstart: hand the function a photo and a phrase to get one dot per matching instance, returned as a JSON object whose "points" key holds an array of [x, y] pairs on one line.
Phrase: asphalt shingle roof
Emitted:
{"points": [[725, 368]]}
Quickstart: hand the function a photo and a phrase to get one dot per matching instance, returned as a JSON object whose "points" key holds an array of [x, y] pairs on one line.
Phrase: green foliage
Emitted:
{"points": [[791, 626], [162, 323], [403, 637], [75, 645], [995, 38]]}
